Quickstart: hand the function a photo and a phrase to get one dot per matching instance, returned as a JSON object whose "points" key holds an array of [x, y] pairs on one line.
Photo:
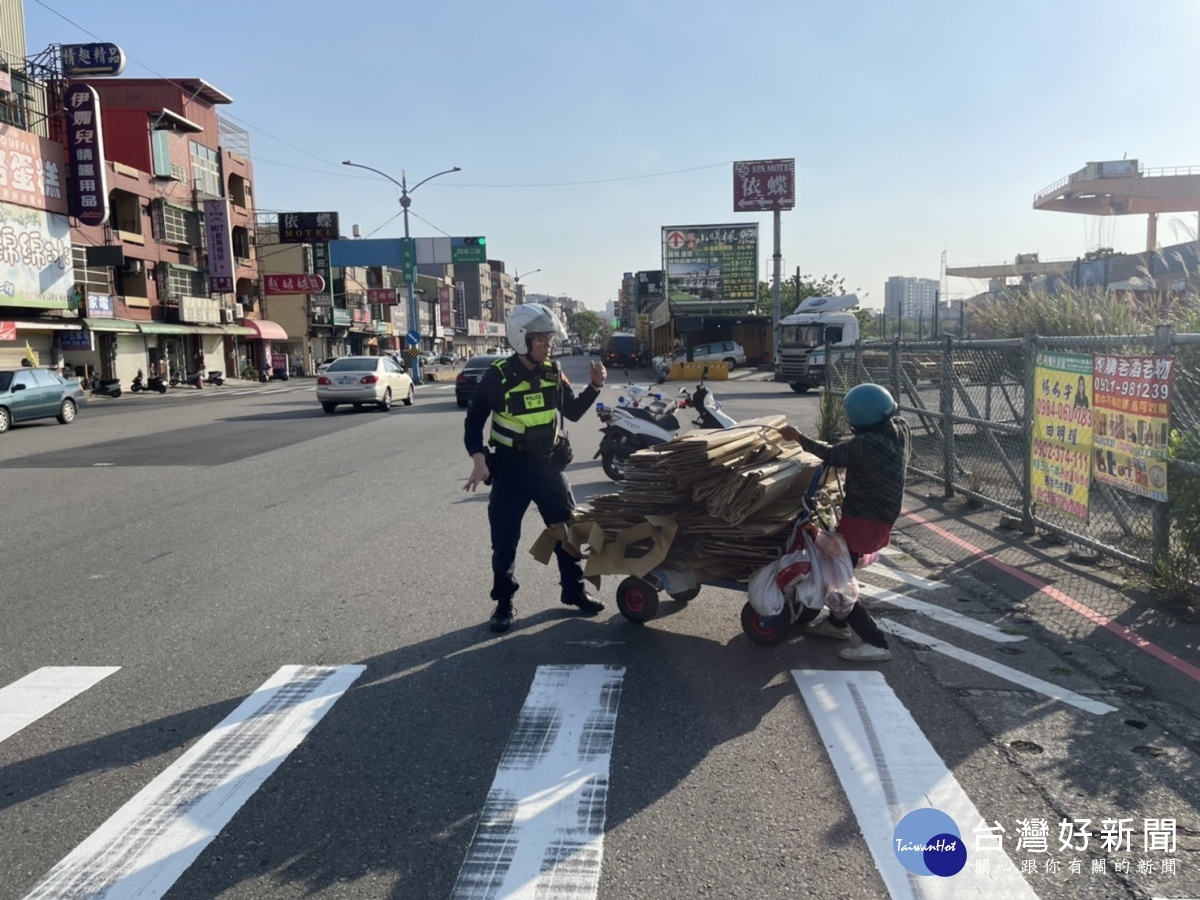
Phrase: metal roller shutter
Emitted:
{"points": [[12, 352]]}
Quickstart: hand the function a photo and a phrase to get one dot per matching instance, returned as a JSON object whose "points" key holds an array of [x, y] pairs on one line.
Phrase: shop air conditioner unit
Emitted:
{"points": [[132, 267], [227, 317]]}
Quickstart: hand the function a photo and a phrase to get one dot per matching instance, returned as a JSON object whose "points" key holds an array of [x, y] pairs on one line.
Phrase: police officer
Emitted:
{"points": [[524, 395]]}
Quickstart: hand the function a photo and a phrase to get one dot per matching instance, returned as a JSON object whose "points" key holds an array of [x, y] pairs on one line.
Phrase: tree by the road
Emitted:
{"points": [[791, 295], [586, 325]]}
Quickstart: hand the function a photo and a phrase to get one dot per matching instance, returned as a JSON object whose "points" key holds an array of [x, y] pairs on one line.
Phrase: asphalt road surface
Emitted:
{"points": [[244, 653]]}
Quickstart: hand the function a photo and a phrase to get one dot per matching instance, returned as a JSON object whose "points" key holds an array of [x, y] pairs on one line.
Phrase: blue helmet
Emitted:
{"points": [[867, 405]]}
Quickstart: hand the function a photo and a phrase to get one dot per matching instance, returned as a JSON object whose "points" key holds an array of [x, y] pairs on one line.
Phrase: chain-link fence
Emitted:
{"points": [[972, 406]]}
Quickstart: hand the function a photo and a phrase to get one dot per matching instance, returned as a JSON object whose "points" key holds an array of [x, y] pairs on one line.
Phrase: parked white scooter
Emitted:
{"points": [[643, 417]]}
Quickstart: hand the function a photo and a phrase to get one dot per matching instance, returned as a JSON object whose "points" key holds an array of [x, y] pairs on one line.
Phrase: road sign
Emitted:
{"points": [[413, 337], [760, 184], [414, 352], [408, 260], [468, 250]]}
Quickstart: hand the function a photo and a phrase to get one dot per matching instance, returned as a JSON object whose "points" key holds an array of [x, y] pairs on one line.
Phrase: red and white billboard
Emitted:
{"points": [[31, 170], [273, 285], [760, 184], [381, 295]]}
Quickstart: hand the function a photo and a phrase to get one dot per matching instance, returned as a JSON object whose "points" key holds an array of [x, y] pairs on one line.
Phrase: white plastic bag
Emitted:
{"points": [[765, 595], [831, 580]]}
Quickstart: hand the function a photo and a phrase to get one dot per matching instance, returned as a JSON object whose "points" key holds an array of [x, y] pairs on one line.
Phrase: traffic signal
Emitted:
{"points": [[475, 241]]}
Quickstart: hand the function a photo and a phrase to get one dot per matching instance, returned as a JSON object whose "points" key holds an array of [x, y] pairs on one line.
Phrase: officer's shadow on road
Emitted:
{"points": [[390, 785], [397, 774]]}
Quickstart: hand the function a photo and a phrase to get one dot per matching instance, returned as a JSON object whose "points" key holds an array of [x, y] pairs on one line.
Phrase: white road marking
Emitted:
{"points": [[1021, 679], [149, 842], [28, 699], [947, 616], [541, 832], [891, 570], [888, 768]]}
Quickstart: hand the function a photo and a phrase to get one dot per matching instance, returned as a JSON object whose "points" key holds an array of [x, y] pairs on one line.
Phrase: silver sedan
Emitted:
{"points": [[359, 380]]}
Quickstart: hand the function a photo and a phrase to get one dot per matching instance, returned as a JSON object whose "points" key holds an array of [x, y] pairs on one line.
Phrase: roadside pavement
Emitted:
{"points": [[1102, 616]]}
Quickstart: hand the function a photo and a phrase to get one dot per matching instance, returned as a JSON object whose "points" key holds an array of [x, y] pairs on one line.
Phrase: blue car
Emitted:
{"points": [[32, 393]]}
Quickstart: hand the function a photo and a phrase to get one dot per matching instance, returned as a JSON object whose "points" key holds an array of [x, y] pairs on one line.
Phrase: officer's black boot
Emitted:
{"points": [[503, 616]]}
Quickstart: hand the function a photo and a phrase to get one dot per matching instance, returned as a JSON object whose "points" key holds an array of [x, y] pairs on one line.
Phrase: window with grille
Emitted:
{"points": [[175, 225], [93, 280], [206, 170], [186, 283]]}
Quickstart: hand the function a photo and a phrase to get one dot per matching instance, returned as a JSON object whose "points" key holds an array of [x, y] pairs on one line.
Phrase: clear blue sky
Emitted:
{"points": [[582, 128]]}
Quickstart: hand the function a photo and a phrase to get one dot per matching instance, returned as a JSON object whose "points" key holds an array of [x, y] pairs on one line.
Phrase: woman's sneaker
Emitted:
{"points": [[822, 627], [866, 653]]}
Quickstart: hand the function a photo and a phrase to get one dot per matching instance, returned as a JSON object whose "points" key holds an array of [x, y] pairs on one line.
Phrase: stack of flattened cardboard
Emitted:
{"points": [[717, 504]]}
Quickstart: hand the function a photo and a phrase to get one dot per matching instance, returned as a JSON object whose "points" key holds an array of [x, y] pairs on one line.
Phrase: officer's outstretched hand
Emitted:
{"points": [[479, 473], [598, 373]]}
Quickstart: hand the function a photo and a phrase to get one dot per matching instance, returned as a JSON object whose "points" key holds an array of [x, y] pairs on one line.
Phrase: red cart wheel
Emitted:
{"points": [[766, 631], [637, 600]]}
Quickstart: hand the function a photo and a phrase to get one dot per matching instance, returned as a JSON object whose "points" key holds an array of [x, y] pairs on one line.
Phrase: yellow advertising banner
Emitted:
{"points": [[1062, 432]]}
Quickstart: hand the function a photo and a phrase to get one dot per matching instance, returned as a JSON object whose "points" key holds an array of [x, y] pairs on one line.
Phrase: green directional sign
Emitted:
{"points": [[468, 250], [408, 259]]}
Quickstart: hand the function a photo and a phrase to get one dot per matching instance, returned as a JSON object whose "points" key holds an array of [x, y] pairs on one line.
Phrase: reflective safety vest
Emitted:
{"points": [[527, 420]]}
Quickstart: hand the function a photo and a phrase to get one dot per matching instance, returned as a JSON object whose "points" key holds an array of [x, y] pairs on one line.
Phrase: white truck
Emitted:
{"points": [[800, 353]]}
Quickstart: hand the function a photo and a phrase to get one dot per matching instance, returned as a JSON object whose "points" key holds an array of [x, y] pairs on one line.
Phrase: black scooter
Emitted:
{"points": [[215, 378], [153, 383], [110, 387]]}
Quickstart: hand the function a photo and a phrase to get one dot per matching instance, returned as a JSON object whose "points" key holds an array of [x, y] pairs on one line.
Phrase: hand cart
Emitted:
{"points": [[638, 597]]}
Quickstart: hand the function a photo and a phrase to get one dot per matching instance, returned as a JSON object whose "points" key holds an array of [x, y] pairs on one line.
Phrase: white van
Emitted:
{"points": [[729, 352]]}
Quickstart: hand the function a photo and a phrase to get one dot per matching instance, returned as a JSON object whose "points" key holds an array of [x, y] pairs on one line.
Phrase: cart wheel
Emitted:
{"points": [[766, 631], [686, 596], [637, 600]]}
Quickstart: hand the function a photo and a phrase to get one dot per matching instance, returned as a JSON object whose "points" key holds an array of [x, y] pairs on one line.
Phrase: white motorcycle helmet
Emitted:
{"points": [[532, 318]]}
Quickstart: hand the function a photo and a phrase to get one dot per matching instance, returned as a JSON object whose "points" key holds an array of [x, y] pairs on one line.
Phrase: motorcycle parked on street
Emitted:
{"points": [[153, 383], [644, 418], [109, 387], [215, 378]]}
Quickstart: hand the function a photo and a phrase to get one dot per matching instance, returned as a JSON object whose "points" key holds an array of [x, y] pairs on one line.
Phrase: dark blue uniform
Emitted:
{"points": [[525, 473]]}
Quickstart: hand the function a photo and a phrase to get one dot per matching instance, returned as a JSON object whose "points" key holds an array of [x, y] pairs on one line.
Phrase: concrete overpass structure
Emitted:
{"points": [[1026, 265], [1122, 187]]}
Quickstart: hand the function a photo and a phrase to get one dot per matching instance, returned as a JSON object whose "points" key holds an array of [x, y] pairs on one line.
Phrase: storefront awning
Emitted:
{"points": [[46, 324], [163, 328], [125, 326], [265, 329], [205, 329], [237, 329]]}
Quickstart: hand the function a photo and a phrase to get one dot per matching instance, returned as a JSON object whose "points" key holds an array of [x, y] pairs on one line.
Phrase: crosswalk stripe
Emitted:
{"points": [[888, 569], [541, 832], [149, 842], [28, 699], [888, 769], [940, 613], [1021, 679]]}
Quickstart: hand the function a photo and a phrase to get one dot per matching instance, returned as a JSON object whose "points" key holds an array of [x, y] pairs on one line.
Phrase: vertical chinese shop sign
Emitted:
{"points": [[1062, 432], [1133, 415]]}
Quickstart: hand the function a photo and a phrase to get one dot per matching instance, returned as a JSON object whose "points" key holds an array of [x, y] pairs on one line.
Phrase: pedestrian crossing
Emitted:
{"points": [[541, 827]]}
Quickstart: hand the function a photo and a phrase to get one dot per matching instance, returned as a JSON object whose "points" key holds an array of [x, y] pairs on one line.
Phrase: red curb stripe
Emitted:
{"points": [[1066, 600]]}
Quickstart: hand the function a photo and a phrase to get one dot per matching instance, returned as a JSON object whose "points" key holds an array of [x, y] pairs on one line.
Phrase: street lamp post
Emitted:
{"points": [[414, 319]]}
